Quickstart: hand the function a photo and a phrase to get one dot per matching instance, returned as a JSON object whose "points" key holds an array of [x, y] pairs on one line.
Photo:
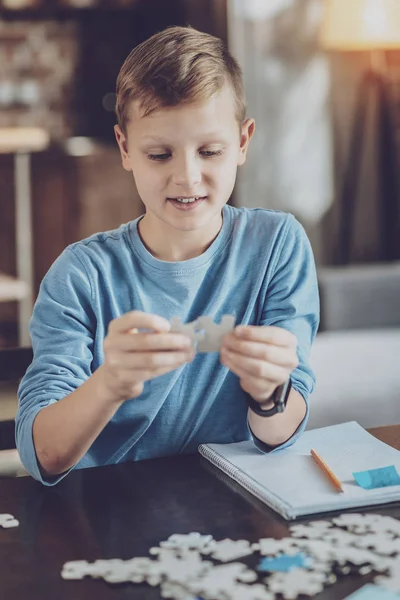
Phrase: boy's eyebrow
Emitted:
{"points": [[208, 137]]}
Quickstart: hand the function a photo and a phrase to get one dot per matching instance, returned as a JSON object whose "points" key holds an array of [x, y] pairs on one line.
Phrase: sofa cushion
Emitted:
{"points": [[360, 296], [358, 378]]}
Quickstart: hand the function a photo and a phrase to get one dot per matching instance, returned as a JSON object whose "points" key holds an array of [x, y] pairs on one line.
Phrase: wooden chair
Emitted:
{"points": [[13, 364]]}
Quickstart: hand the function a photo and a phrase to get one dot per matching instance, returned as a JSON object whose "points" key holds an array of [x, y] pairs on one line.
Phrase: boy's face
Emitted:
{"points": [[186, 152]]}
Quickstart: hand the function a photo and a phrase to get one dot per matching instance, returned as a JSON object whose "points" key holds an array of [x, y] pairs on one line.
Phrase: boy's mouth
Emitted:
{"points": [[186, 202]]}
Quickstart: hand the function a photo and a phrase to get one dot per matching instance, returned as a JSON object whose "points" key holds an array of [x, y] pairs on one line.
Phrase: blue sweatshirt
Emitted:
{"points": [[260, 268]]}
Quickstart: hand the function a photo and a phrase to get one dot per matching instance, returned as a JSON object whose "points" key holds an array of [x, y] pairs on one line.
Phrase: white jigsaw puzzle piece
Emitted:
{"points": [[188, 329], [221, 580], [188, 541], [180, 568], [391, 582], [379, 543], [214, 332], [203, 331], [228, 549], [256, 591], [135, 570], [296, 582], [316, 530], [272, 547], [8, 521], [368, 523], [176, 591]]}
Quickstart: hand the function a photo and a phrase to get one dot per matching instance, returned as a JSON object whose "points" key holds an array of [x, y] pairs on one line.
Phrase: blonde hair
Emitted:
{"points": [[174, 66]]}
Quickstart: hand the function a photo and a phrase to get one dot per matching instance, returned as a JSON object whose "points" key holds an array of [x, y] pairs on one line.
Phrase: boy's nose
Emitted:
{"points": [[187, 174]]}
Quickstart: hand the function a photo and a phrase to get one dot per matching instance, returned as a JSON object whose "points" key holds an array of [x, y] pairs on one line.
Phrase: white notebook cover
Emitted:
{"points": [[291, 483]]}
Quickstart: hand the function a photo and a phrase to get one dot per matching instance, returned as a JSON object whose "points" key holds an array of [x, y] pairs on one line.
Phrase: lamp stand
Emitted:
{"points": [[374, 84]]}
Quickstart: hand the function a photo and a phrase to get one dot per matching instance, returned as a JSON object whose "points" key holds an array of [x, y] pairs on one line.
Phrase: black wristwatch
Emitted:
{"points": [[279, 398]]}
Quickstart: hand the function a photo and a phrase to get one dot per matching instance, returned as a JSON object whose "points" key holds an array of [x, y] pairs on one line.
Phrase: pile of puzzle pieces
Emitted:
{"points": [[194, 566]]}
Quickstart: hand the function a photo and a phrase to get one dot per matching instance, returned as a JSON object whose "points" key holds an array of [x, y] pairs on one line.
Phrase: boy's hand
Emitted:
{"points": [[262, 357], [133, 357]]}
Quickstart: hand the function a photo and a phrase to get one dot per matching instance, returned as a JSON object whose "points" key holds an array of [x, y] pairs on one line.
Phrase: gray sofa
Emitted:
{"points": [[356, 354]]}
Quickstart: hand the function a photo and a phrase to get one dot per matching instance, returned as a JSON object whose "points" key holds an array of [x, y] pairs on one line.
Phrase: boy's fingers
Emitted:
{"points": [[277, 355], [255, 369], [148, 342], [267, 334], [147, 361], [136, 319]]}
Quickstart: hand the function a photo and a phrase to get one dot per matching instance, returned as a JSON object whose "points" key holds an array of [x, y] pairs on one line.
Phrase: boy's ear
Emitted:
{"points": [[123, 147], [247, 130]]}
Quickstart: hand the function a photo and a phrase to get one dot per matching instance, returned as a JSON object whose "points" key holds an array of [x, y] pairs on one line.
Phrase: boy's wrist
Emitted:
{"points": [[106, 394]]}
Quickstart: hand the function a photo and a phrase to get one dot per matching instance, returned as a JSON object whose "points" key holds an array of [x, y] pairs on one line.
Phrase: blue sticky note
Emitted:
{"points": [[284, 562], [373, 592], [376, 478]]}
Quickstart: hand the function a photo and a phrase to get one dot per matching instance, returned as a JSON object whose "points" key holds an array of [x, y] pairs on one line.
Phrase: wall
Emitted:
{"points": [[38, 61]]}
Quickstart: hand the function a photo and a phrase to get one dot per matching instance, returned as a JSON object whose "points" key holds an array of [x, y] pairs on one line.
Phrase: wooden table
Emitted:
{"points": [[123, 510]]}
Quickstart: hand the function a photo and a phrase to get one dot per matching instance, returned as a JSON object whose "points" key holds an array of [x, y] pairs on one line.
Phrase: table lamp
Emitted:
{"points": [[372, 26]]}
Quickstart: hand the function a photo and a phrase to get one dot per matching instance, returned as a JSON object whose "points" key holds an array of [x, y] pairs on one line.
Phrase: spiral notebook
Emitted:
{"points": [[290, 482]]}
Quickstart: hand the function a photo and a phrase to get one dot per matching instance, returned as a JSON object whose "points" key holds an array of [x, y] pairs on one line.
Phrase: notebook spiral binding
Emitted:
{"points": [[245, 481]]}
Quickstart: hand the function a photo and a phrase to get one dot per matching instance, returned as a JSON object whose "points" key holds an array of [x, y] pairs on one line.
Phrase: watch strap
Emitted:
{"points": [[279, 398]]}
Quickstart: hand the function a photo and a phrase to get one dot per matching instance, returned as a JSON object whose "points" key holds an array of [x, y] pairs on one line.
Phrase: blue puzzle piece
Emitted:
{"points": [[376, 478], [284, 562]]}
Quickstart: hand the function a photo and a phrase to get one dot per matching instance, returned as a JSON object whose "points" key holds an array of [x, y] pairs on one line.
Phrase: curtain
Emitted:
{"points": [[286, 77]]}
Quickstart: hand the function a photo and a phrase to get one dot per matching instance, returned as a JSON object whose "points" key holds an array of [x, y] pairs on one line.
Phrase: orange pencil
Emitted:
{"points": [[327, 471]]}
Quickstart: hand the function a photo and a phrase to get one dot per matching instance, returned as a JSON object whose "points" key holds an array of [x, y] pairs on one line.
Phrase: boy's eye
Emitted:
{"points": [[166, 155], [209, 153], [159, 157]]}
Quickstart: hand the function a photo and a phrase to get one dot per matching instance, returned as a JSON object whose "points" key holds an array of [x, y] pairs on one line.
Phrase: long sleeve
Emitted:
{"points": [[292, 302], [62, 332]]}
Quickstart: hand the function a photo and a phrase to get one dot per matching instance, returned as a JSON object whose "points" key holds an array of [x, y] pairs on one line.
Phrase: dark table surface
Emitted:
{"points": [[123, 510]]}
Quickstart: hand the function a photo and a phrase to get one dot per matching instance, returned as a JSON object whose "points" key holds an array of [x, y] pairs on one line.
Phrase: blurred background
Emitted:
{"points": [[322, 79]]}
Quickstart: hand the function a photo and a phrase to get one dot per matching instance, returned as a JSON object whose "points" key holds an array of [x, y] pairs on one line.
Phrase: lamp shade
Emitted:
{"points": [[361, 25]]}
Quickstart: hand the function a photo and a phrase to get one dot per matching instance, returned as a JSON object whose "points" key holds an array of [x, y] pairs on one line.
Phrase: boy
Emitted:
{"points": [[110, 382]]}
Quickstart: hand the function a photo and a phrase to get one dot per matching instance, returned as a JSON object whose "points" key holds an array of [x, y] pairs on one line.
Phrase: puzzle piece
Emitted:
{"points": [[228, 549], [8, 521], [316, 529], [284, 563], [358, 556], [189, 541], [271, 547], [176, 591], [296, 582], [136, 570], [392, 581], [214, 332], [78, 569], [203, 331], [188, 329], [340, 537], [179, 569], [368, 523], [221, 581], [379, 543], [256, 591]]}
